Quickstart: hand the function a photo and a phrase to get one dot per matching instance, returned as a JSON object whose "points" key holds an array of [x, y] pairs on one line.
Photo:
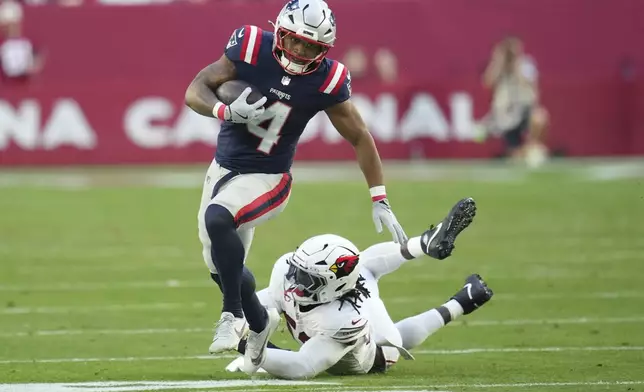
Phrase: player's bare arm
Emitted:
{"points": [[200, 95], [346, 119], [349, 123]]}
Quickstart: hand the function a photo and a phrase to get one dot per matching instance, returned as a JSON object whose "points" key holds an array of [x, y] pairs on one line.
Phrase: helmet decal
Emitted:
{"points": [[344, 265]]}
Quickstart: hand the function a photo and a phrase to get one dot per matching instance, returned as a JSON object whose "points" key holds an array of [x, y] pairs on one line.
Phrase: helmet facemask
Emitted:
{"points": [[307, 60], [305, 285]]}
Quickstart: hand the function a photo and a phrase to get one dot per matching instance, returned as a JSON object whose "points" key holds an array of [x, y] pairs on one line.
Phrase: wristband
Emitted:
{"points": [[219, 111], [378, 193]]}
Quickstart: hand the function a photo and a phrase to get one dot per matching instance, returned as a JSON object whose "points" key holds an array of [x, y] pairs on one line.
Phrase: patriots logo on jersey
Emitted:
{"points": [[233, 40], [344, 265]]}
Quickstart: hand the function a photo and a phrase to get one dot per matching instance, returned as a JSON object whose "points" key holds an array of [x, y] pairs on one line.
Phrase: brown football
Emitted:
{"points": [[230, 90]]}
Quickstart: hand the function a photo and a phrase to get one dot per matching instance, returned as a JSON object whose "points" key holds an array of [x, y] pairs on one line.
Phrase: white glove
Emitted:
{"points": [[237, 364], [382, 215], [240, 111]]}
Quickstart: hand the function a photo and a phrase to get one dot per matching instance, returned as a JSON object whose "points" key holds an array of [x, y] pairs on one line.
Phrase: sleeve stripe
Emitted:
{"points": [[336, 77], [252, 42], [329, 77], [340, 82]]}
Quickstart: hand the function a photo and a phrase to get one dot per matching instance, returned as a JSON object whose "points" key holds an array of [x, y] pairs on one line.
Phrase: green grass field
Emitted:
{"points": [[107, 283]]}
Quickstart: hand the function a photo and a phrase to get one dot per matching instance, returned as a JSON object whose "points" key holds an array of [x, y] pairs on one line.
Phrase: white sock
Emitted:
{"points": [[455, 309], [415, 330], [415, 248]]}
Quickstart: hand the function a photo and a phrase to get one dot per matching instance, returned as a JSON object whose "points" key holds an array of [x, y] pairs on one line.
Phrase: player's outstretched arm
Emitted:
{"points": [[200, 95], [315, 356], [345, 118]]}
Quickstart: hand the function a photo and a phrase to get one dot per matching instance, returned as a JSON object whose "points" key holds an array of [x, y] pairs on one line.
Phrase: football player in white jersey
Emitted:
{"points": [[327, 291]]}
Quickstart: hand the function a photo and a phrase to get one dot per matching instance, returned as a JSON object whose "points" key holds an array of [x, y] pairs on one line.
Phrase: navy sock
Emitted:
{"points": [[227, 251], [254, 311]]}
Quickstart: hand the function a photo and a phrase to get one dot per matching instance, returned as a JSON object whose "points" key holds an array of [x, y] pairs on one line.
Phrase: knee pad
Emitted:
{"points": [[218, 219]]}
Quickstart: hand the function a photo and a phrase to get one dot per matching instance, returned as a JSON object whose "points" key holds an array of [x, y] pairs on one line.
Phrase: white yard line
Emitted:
{"points": [[535, 297], [71, 286], [491, 386], [578, 320], [161, 306], [117, 359], [419, 352], [526, 350], [138, 386], [474, 323], [274, 385]]}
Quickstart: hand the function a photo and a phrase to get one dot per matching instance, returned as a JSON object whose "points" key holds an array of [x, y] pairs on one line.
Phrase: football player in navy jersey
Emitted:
{"points": [[249, 180]]}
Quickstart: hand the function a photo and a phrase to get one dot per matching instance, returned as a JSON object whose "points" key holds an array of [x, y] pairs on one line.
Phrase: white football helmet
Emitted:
{"points": [[310, 22], [323, 268]]}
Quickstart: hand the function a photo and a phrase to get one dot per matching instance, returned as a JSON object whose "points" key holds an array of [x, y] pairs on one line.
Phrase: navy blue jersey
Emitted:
{"points": [[268, 145]]}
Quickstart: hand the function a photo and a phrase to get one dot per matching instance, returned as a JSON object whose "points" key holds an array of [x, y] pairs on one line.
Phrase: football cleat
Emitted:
{"points": [[438, 241], [473, 294], [255, 353], [228, 332]]}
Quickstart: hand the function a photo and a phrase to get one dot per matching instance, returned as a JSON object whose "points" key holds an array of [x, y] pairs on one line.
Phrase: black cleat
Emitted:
{"points": [[474, 294], [438, 241]]}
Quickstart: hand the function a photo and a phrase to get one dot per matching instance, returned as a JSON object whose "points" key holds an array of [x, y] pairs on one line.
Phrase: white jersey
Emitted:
{"points": [[342, 323]]}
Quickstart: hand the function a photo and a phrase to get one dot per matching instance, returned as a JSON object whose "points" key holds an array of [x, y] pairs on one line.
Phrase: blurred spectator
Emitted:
{"points": [[355, 59], [386, 64], [19, 59], [515, 114]]}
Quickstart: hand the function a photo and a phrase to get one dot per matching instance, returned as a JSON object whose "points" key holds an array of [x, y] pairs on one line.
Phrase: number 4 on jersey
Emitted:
{"points": [[277, 114]]}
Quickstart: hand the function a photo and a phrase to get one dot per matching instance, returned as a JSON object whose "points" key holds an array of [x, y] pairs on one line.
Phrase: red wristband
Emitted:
{"points": [[378, 193], [219, 111]]}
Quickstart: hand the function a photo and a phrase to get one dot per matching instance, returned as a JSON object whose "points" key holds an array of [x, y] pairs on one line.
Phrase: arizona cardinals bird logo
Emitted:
{"points": [[344, 265]]}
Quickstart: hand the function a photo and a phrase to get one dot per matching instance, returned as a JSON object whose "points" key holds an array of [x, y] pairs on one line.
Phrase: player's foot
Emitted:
{"points": [[256, 345], [438, 241], [228, 331], [473, 294]]}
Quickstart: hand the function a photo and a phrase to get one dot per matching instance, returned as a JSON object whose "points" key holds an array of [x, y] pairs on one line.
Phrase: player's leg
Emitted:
{"points": [[415, 330], [250, 200], [216, 178], [241, 200], [254, 311], [437, 242]]}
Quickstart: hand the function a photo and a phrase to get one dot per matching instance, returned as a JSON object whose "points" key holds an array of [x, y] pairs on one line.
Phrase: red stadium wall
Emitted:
{"points": [[112, 90]]}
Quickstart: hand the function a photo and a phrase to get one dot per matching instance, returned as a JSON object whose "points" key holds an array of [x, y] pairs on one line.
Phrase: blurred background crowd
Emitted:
{"points": [[472, 80]]}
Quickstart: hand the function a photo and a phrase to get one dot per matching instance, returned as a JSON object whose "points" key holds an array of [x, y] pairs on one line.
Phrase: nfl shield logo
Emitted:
{"points": [[286, 80]]}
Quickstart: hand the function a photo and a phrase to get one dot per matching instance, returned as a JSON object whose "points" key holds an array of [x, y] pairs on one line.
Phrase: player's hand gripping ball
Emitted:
{"points": [[243, 101]]}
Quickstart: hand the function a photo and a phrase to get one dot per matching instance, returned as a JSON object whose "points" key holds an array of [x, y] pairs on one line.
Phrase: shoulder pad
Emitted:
{"points": [[244, 44]]}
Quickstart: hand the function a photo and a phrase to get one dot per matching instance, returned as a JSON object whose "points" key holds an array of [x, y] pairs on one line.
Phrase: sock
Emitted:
{"points": [[415, 330], [415, 248], [227, 251], [254, 311]]}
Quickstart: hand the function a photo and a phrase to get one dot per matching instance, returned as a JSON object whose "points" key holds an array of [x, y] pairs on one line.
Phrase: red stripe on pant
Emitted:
{"points": [[266, 202]]}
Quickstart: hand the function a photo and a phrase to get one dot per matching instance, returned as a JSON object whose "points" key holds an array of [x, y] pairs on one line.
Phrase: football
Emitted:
{"points": [[230, 90]]}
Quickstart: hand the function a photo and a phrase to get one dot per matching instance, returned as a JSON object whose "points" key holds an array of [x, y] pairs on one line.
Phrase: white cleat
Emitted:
{"points": [[256, 343], [228, 332]]}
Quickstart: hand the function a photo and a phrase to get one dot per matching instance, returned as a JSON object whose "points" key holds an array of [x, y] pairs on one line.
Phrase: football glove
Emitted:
{"points": [[383, 215], [240, 111]]}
